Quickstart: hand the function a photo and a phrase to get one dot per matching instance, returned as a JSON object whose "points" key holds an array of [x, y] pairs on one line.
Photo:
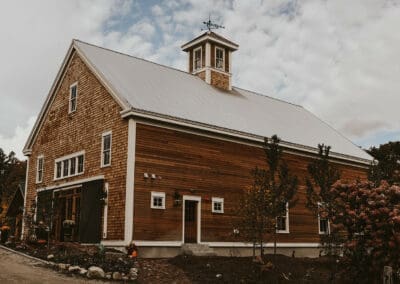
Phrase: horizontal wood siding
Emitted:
{"points": [[201, 166]]}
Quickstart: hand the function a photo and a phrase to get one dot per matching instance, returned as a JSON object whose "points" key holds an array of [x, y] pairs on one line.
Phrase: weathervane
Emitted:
{"points": [[211, 26]]}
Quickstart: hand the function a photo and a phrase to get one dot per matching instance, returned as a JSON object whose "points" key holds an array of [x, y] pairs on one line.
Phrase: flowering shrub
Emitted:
{"points": [[369, 218]]}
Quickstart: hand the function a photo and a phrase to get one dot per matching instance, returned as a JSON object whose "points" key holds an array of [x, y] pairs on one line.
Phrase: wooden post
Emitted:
{"points": [[387, 275]]}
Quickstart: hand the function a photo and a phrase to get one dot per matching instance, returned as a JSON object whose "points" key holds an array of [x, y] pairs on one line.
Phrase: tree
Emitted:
{"points": [[261, 205], [387, 164], [370, 217], [12, 172], [319, 197]]}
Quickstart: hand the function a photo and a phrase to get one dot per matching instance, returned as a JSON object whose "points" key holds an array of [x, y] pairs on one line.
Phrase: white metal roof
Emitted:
{"points": [[163, 90]]}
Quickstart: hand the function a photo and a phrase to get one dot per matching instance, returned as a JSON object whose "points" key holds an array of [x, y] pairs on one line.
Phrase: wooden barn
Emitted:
{"points": [[126, 149]]}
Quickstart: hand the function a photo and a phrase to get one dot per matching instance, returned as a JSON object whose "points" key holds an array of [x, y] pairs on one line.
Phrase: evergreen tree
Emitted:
{"points": [[261, 206], [319, 197], [386, 165]]}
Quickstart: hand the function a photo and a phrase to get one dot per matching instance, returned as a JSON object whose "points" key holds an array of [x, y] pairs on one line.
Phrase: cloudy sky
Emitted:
{"points": [[339, 59]]}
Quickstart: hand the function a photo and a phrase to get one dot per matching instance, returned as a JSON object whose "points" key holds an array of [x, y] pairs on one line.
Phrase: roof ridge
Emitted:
{"points": [[176, 69], [267, 96], [132, 56]]}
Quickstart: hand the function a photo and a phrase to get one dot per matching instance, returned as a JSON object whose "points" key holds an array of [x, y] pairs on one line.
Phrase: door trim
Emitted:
{"points": [[192, 198]]}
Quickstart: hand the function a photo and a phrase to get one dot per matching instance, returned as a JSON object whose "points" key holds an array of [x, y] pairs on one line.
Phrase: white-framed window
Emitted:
{"points": [[217, 205], [73, 96], [219, 58], [323, 223], [106, 139], [282, 222], [70, 165], [39, 169], [157, 200], [197, 58]]}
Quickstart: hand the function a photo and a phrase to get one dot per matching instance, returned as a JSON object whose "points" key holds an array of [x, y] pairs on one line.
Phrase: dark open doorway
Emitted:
{"points": [[191, 221]]}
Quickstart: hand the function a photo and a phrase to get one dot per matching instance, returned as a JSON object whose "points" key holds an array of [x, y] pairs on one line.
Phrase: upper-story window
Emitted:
{"points": [[70, 165], [106, 149], [282, 222], [39, 167], [219, 58], [73, 95], [197, 58]]}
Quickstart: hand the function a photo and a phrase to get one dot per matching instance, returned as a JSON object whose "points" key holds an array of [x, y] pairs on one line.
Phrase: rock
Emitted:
{"points": [[208, 265], [116, 275], [95, 272], [219, 276], [82, 271], [267, 267], [63, 266], [50, 256], [74, 269], [125, 278], [133, 271], [258, 259], [108, 275]]}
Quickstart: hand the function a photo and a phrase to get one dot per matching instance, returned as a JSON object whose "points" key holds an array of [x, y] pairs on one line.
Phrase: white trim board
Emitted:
{"points": [[70, 183], [211, 244], [130, 182]]}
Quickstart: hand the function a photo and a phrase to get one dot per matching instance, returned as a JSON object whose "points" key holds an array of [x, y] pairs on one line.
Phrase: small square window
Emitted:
{"points": [[73, 94], [157, 200], [217, 205]]}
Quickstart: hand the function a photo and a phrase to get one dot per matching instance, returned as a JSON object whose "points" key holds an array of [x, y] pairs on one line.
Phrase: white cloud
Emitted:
{"points": [[338, 59], [18, 138]]}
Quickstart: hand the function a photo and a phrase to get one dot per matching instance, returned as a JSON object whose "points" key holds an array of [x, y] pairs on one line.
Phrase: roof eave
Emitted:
{"points": [[207, 37]]}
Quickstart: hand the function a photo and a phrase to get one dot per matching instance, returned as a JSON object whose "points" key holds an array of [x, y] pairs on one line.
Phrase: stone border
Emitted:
{"points": [[90, 273]]}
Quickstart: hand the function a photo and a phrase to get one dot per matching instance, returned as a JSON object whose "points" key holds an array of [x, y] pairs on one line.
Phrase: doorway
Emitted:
{"points": [[191, 219]]}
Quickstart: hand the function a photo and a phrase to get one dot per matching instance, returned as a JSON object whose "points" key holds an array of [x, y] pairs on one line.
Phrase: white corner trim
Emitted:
{"points": [[130, 181], [194, 198], [70, 183], [25, 194]]}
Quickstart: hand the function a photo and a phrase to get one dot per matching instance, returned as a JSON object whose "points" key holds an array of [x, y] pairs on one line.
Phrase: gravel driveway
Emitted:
{"points": [[15, 268]]}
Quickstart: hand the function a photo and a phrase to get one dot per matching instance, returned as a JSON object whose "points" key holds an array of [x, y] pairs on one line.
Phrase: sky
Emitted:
{"points": [[339, 59]]}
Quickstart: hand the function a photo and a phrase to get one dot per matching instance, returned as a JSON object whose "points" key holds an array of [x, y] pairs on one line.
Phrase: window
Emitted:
{"points": [[68, 166], [73, 94], [219, 58], [323, 223], [217, 205], [197, 58], [39, 167], [282, 222], [106, 149], [157, 200]]}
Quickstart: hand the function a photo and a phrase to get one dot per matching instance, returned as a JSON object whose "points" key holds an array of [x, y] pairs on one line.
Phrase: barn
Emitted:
{"points": [[125, 149]]}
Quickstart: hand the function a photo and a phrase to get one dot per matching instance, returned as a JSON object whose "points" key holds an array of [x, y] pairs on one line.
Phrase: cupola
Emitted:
{"points": [[210, 58]]}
